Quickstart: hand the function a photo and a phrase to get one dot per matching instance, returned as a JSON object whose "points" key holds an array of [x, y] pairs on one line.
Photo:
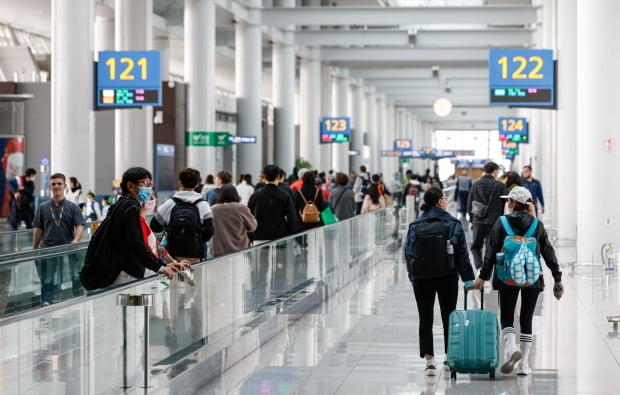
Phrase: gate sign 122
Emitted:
{"points": [[521, 77]]}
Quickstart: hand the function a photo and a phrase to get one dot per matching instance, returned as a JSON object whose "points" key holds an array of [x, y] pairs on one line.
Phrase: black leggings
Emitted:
{"points": [[507, 302], [447, 289]]}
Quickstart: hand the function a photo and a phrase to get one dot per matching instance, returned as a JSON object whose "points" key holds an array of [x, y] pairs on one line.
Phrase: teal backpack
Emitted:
{"points": [[521, 266]]}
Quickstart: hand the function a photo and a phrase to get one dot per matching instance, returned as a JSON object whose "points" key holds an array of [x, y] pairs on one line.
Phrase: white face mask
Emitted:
{"points": [[149, 206]]}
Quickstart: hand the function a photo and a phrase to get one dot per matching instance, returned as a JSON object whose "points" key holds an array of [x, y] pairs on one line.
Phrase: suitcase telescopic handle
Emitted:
{"points": [[481, 298]]}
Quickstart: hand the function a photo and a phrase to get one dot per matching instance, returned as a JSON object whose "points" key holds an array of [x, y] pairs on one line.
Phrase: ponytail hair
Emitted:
{"points": [[431, 197]]}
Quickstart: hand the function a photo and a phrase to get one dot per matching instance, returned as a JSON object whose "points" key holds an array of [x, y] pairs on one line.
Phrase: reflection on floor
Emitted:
{"points": [[364, 341]]}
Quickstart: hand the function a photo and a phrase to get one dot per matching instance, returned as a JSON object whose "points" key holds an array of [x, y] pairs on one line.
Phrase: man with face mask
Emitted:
{"points": [[133, 239]]}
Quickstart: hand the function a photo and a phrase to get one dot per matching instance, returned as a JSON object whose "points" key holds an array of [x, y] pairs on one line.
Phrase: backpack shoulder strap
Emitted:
{"points": [[316, 193], [507, 226], [532, 228], [302, 196]]}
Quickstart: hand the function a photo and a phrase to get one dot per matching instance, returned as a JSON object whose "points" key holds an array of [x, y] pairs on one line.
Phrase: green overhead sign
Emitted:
{"points": [[207, 139]]}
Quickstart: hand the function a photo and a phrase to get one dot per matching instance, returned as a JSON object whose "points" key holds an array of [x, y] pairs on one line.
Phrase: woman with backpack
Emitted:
{"points": [[436, 255], [519, 222], [309, 194]]}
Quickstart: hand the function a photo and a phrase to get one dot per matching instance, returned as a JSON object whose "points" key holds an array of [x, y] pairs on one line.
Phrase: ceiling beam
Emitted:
{"points": [[422, 55], [381, 16], [418, 72], [504, 38]]}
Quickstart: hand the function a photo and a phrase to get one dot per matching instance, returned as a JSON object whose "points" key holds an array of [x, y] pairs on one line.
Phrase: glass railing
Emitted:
{"points": [[21, 240], [91, 345]]}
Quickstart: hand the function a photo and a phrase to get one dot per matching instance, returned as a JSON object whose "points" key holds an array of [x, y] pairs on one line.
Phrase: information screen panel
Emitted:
{"points": [[128, 79], [403, 144], [335, 130], [510, 148], [522, 77], [513, 129]]}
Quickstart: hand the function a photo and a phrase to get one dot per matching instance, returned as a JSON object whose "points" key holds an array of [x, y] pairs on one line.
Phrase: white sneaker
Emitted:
{"points": [[524, 369], [511, 357], [430, 370]]}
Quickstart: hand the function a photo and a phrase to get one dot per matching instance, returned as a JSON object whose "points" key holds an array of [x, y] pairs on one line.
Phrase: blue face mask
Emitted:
{"points": [[144, 194]]}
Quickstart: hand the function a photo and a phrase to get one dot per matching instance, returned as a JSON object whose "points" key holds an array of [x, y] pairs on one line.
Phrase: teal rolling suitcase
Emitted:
{"points": [[473, 341]]}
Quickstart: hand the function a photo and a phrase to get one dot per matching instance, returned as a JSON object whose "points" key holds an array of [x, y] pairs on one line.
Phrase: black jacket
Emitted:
{"points": [[483, 189], [456, 236], [128, 240], [275, 213], [520, 222]]}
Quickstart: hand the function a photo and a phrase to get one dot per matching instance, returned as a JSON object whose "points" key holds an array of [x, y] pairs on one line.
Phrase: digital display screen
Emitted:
{"points": [[335, 130], [522, 77], [513, 129], [128, 79]]}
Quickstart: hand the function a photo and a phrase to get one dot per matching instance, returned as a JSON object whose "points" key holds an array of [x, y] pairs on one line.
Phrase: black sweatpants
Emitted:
{"points": [[507, 302], [446, 289], [480, 239]]}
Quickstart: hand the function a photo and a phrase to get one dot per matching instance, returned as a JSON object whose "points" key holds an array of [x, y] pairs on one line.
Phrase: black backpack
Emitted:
{"points": [[430, 250], [103, 262], [184, 230], [365, 185]]}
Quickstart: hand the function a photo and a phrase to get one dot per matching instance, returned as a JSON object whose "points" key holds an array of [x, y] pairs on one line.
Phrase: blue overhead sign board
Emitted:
{"points": [[335, 130], [242, 139], [128, 79], [513, 129], [522, 77]]}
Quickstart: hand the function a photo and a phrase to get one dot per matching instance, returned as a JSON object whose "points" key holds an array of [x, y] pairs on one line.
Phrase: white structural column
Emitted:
{"points": [[340, 151], [133, 127], [248, 67], [327, 100], [199, 52], [383, 137], [73, 127], [283, 78], [567, 122], [357, 123], [373, 141], [598, 213], [310, 98]]}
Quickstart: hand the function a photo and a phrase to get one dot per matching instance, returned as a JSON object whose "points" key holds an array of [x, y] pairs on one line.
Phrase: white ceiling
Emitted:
{"points": [[391, 48]]}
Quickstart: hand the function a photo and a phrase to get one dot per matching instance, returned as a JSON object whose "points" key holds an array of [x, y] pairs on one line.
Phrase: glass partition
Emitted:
{"points": [[232, 303], [21, 240]]}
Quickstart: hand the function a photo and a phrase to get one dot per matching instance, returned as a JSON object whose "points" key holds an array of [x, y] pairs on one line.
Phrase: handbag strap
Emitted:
{"points": [[339, 197]]}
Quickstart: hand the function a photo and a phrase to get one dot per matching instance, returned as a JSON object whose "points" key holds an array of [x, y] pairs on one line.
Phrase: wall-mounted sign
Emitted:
{"points": [[513, 129], [335, 130], [207, 139], [242, 139], [403, 144], [522, 77], [128, 79]]}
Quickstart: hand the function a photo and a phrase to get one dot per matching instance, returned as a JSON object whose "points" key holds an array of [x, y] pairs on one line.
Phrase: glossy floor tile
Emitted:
{"points": [[364, 341]]}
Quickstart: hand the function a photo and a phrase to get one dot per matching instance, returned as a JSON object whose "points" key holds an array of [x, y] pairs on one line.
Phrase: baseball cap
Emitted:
{"points": [[519, 194]]}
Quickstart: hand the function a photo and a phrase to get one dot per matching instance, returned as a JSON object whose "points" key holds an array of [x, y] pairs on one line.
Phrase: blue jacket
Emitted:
{"points": [[457, 239], [535, 189]]}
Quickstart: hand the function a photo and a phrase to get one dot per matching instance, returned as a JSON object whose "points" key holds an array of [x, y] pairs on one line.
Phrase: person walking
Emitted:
{"points": [[58, 221], [485, 192], [463, 185], [360, 188], [520, 220], [187, 220], [535, 188], [233, 220], [22, 199], [309, 193], [436, 255], [341, 198], [374, 199]]}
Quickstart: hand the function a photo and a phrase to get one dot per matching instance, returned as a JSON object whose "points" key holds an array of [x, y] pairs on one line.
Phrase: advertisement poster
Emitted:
{"points": [[12, 149]]}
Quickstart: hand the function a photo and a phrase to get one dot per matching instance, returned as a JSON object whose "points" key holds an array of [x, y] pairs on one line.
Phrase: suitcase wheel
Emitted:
{"points": [[453, 375], [492, 374]]}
